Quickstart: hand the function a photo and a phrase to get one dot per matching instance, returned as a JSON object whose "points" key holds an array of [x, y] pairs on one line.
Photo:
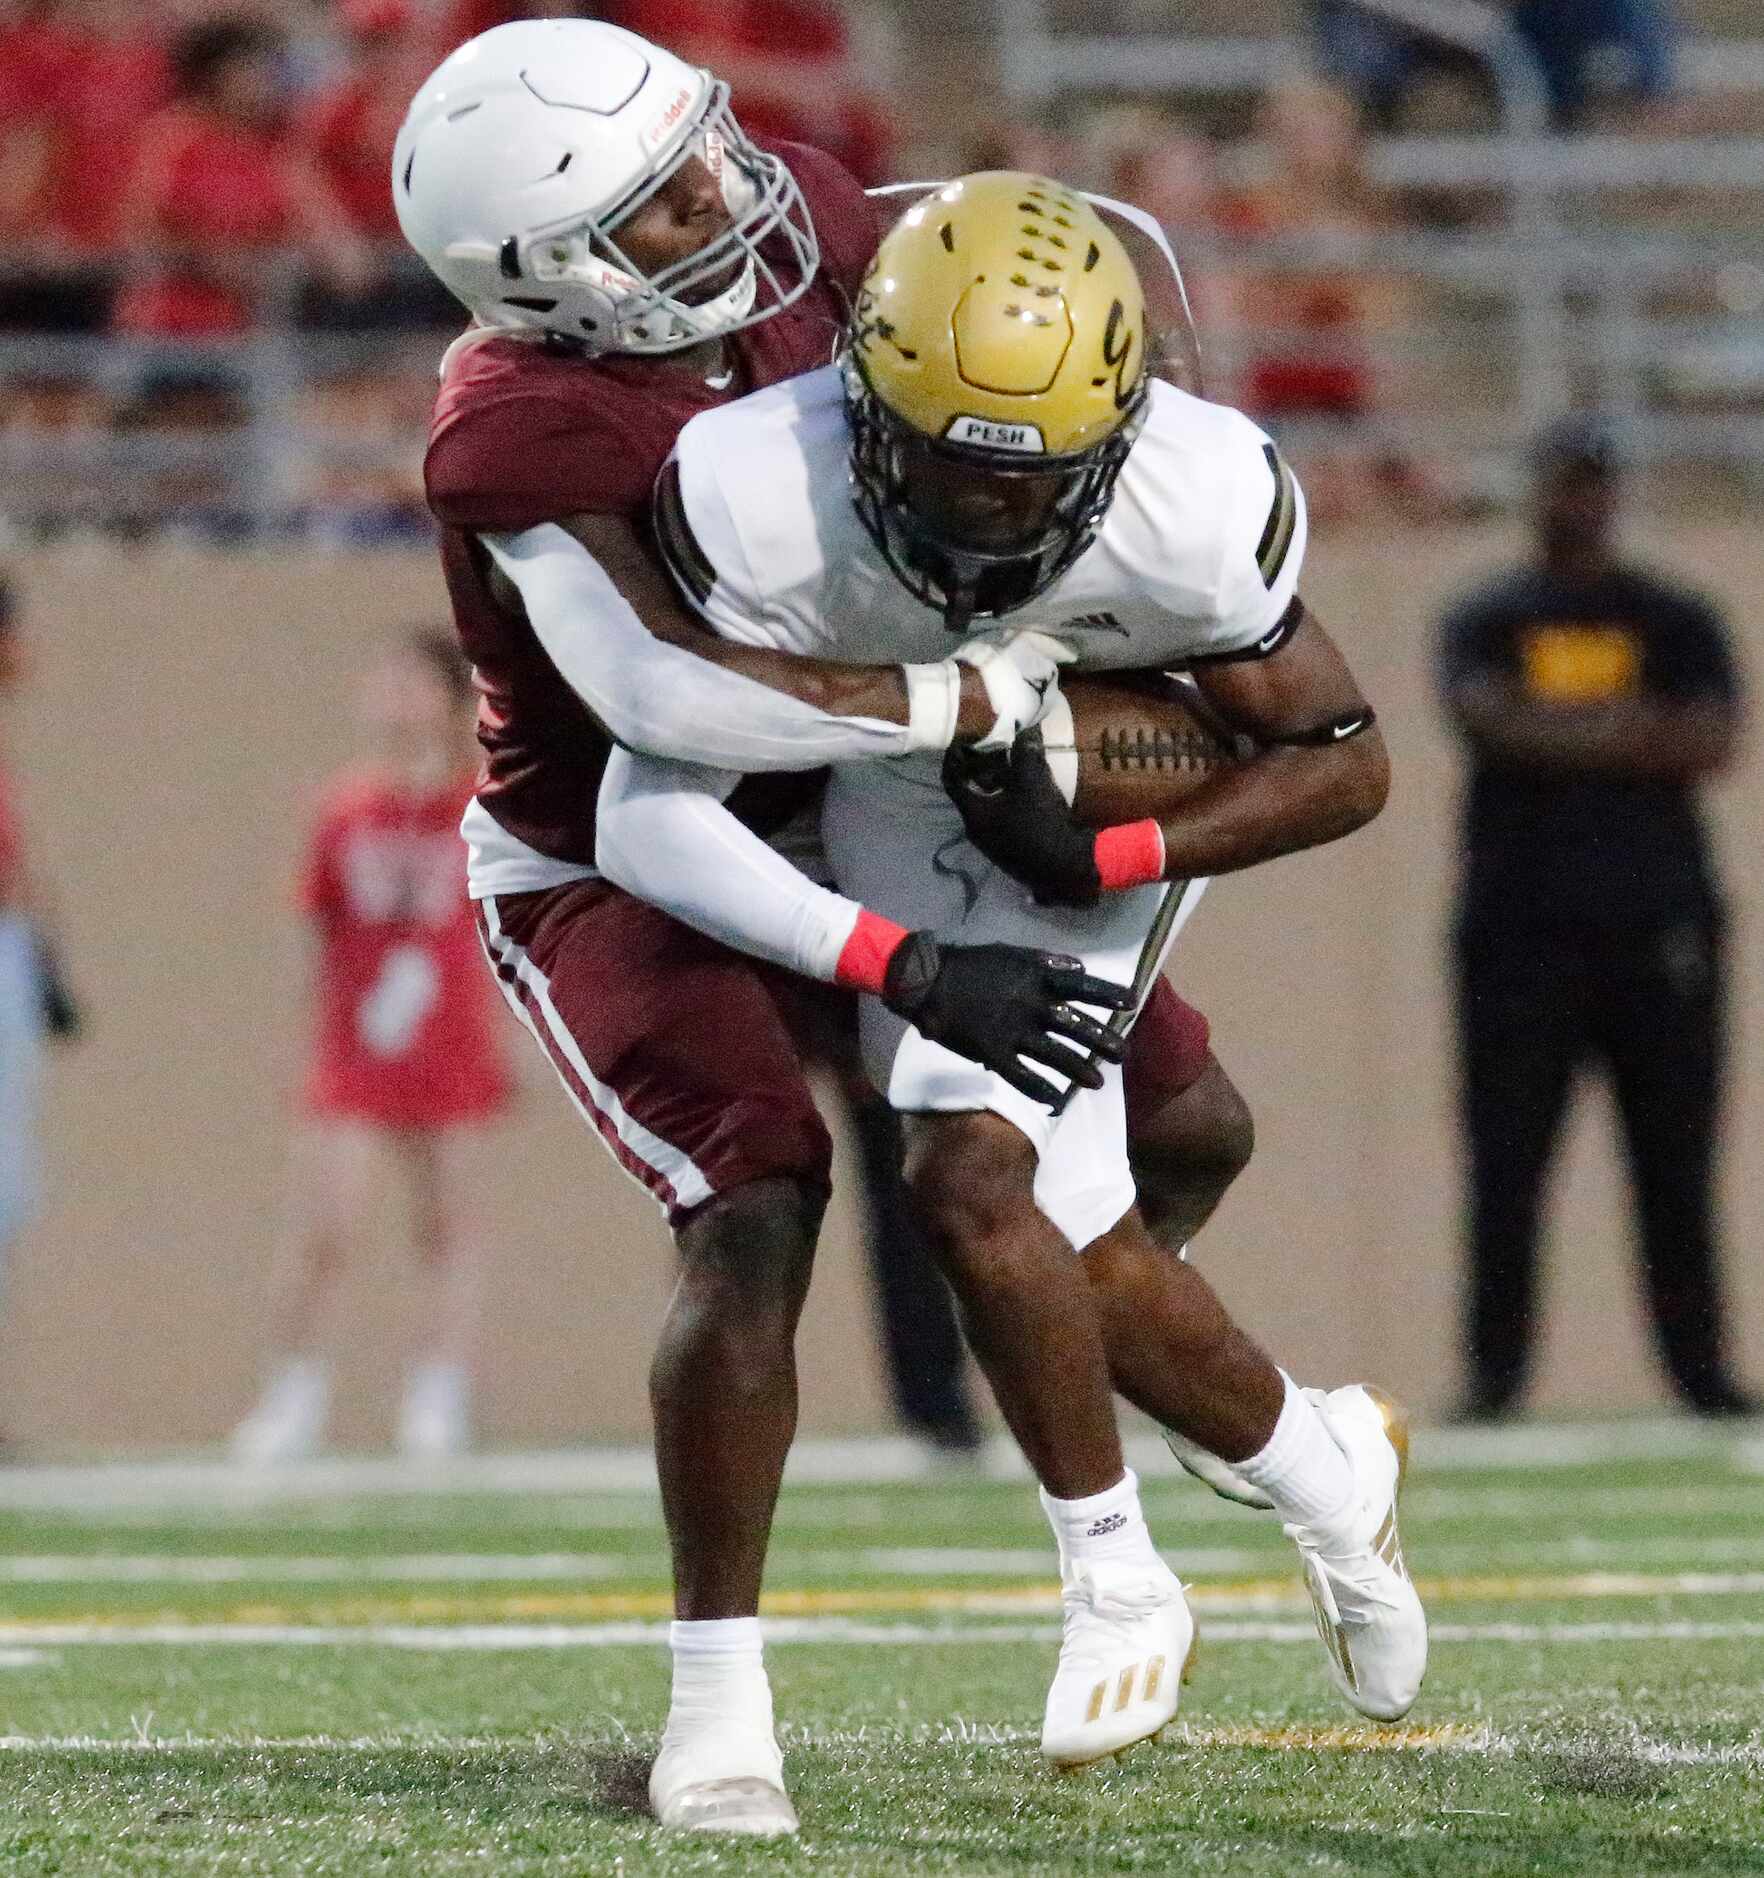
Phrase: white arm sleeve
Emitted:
{"points": [[659, 698], [663, 834]]}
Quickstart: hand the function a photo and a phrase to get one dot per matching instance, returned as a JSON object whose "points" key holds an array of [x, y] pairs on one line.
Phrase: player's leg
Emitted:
{"points": [[1521, 1019], [675, 1050], [435, 1417], [1007, 1190], [921, 1340], [330, 1185], [1023, 1297], [1189, 1131], [1330, 1465], [1027, 1311], [1661, 1022]]}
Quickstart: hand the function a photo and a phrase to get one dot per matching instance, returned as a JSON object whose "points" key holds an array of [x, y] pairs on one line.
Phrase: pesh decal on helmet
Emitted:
{"points": [[527, 150], [995, 379]]}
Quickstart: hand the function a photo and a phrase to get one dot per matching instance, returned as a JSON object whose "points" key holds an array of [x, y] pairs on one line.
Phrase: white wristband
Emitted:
{"points": [[934, 704]]}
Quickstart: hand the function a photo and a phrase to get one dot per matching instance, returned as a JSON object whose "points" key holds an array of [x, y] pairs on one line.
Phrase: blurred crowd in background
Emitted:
{"points": [[208, 187]]}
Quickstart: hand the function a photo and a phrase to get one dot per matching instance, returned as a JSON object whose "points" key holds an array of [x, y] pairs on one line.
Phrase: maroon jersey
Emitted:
{"points": [[525, 433]]}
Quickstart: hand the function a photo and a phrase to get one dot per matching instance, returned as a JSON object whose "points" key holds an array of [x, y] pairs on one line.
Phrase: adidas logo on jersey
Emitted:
{"points": [[1094, 623]]}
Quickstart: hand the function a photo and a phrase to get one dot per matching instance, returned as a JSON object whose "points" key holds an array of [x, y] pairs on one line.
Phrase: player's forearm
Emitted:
{"points": [[1280, 802], [664, 834], [879, 692], [668, 688]]}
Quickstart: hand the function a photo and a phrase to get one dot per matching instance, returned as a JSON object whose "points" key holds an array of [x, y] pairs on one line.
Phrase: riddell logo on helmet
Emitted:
{"points": [[1025, 438], [665, 125]]}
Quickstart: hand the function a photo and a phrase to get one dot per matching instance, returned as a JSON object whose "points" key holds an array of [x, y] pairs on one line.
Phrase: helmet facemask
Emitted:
{"points": [[764, 262], [976, 532]]}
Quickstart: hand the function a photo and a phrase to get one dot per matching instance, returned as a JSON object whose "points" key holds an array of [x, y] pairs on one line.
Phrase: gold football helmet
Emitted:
{"points": [[995, 378]]}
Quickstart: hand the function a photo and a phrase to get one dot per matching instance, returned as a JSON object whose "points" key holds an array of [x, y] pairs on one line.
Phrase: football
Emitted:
{"points": [[1123, 746]]}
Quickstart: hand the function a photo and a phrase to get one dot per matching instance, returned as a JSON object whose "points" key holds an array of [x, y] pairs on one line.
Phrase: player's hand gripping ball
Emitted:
{"points": [[1113, 753]]}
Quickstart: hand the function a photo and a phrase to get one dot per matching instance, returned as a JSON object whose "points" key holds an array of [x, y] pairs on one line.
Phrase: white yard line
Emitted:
{"points": [[871, 1460], [418, 1568], [107, 1568], [442, 1638], [1349, 1738]]}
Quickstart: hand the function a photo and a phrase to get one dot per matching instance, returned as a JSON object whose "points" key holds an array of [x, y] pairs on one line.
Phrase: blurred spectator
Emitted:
{"points": [[122, 77], [1593, 55], [222, 190], [34, 999], [1305, 315], [1594, 699], [348, 127], [38, 49], [790, 66], [404, 1057], [1379, 63], [1600, 54], [345, 132]]}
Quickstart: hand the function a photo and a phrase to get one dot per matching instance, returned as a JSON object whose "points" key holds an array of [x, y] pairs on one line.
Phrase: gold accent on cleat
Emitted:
{"points": [[1154, 1676], [1124, 1689], [1188, 1660], [1334, 1635], [1098, 1696], [1396, 1428]]}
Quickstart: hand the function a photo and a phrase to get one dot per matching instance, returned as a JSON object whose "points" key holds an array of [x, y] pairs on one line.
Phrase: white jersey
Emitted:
{"points": [[1197, 558]]}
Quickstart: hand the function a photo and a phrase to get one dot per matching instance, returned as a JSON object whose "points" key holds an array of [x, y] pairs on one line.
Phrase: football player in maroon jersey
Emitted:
{"points": [[631, 258]]}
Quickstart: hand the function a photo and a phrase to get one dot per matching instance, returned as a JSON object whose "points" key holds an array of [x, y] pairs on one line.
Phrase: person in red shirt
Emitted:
{"points": [[790, 64], [348, 127], [38, 51], [403, 1056], [119, 77], [222, 190]]}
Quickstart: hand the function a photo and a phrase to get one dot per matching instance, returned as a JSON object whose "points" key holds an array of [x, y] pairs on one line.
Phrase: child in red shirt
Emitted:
{"points": [[404, 1058]]}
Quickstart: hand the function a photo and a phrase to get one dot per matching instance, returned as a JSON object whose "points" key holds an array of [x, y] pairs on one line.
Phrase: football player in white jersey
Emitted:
{"points": [[992, 449]]}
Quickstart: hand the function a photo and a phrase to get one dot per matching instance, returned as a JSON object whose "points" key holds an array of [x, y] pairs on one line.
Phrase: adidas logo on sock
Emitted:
{"points": [[1110, 1522]]}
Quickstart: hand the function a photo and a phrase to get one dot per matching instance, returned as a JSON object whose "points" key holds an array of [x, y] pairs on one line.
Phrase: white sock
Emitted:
{"points": [[719, 1673], [298, 1386], [1102, 1526], [1301, 1469], [438, 1389]]}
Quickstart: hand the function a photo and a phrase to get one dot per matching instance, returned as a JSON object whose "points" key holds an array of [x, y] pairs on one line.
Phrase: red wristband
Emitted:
{"points": [[1130, 855], [863, 963]]}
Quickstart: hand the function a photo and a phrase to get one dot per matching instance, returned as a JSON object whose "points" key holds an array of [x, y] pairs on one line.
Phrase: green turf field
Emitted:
{"points": [[323, 1680]]}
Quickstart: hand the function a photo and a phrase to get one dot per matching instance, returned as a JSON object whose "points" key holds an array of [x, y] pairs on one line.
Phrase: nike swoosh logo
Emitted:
{"points": [[1338, 731]]}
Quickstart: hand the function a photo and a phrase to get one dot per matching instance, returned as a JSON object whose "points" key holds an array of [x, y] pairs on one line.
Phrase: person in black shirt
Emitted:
{"points": [[1594, 699]]}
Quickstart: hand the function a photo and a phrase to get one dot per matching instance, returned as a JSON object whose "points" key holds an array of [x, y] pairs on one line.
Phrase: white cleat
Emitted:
{"points": [[1216, 1473], [1128, 1643], [722, 1780], [1373, 1628]]}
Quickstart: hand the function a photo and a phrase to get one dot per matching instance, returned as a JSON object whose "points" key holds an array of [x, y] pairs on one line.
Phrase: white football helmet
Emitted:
{"points": [[525, 151]]}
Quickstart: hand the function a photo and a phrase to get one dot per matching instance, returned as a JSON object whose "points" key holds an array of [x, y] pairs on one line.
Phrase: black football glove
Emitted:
{"points": [[1016, 816], [998, 1004]]}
